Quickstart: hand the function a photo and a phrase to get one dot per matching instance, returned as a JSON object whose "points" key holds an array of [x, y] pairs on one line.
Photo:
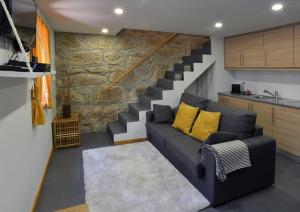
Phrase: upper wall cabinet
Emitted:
{"points": [[278, 46], [274, 48], [253, 50], [233, 50], [297, 45], [245, 51]]}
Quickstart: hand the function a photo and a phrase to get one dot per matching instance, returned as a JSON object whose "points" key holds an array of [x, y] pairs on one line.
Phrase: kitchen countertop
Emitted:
{"points": [[281, 101]]}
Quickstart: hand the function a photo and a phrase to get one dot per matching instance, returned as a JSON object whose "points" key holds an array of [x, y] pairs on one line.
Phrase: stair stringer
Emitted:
{"points": [[137, 130]]}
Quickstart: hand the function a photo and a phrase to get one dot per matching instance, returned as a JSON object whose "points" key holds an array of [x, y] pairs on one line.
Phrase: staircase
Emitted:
{"points": [[131, 125]]}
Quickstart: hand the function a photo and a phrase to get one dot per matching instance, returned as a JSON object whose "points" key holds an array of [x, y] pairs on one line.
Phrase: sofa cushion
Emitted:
{"points": [[185, 149], [163, 114], [221, 137], [234, 120], [194, 101], [162, 130]]}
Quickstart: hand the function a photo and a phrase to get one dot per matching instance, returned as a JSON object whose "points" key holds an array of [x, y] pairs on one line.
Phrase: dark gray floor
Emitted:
{"points": [[64, 183]]}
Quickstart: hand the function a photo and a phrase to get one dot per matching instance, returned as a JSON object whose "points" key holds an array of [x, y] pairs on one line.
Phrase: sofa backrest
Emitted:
{"points": [[240, 122], [194, 101]]}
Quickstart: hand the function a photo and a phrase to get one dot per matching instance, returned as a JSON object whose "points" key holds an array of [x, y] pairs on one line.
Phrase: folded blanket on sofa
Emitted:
{"points": [[230, 156]]}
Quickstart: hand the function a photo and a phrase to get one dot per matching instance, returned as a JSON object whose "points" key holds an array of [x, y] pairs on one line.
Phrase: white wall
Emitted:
{"points": [[287, 83], [24, 149], [216, 79], [221, 78]]}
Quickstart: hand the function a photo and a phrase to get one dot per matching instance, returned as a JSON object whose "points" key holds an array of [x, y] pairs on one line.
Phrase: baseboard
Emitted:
{"points": [[77, 208], [288, 155], [39, 191], [130, 141]]}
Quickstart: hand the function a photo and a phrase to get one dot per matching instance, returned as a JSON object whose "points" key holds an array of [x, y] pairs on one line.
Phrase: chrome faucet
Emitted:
{"points": [[275, 95]]}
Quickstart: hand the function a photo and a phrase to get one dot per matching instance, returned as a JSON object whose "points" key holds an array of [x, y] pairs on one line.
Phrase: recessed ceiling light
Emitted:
{"points": [[218, 25], [104, 30], [119, 11], [277, 7]]}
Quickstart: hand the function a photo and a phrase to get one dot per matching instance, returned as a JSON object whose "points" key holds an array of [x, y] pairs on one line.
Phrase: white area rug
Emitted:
{"points": [[136, 178]]}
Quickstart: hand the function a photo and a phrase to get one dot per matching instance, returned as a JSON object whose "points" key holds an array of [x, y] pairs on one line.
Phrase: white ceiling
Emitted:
{"points": [[181, 16]]}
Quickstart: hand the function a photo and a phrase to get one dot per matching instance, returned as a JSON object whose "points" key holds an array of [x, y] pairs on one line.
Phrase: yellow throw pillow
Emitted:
{"points": [[205, 124], [185, 117]]}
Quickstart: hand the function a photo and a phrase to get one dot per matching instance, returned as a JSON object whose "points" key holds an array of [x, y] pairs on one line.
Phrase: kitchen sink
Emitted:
{"points": [[272, 99], [263, 97]]}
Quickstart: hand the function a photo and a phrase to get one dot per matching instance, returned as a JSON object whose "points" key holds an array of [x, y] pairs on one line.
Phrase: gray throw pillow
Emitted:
{"points": [[194, 101], [163, 114]]}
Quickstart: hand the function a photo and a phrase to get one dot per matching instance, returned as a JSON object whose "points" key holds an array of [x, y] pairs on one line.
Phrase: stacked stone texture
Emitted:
{"points": [[93, 61]]}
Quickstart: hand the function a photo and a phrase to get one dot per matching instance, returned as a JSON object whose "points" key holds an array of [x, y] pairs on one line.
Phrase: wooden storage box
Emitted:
{"points": [[66, 131]]}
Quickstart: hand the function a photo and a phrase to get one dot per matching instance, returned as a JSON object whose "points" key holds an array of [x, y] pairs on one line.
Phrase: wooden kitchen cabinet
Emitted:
{"points": [[264, 111], [286, 124], [264, 116], [253, 50], [234, 102], [233, 50], [297, 46], [281, 123], [277, 48]]}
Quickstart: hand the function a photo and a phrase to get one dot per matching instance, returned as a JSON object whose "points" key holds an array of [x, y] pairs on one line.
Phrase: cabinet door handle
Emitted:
{"points": [[273, 114], [241, 60], [266, 59]]}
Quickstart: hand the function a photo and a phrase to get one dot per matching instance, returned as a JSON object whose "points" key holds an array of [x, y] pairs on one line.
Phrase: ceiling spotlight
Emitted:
{"points": [[218, 25], [119, 11], [104, 30], [277, 7]]}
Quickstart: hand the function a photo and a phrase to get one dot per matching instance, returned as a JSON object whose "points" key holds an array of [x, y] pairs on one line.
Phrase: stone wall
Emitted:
{"points": [[93, 61]]}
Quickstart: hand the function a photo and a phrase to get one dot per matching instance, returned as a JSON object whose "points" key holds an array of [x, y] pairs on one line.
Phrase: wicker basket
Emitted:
{"points": [[66, 131]]}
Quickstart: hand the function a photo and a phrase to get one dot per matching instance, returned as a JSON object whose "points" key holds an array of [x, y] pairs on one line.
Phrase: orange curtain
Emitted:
{"points": [[42, 41], [44, 37], [38, 114], [41, 95], [50, 102]]}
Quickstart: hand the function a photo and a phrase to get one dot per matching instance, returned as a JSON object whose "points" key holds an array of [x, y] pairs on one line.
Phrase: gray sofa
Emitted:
{"points": [[183, 152]]}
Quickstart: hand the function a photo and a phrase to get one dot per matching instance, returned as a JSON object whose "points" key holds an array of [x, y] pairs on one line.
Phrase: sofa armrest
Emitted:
{"points": [[262, 150], [258, 131]]}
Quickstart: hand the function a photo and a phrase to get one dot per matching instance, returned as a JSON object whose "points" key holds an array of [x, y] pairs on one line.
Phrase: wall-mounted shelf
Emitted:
{"points": [[15, 74]]}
